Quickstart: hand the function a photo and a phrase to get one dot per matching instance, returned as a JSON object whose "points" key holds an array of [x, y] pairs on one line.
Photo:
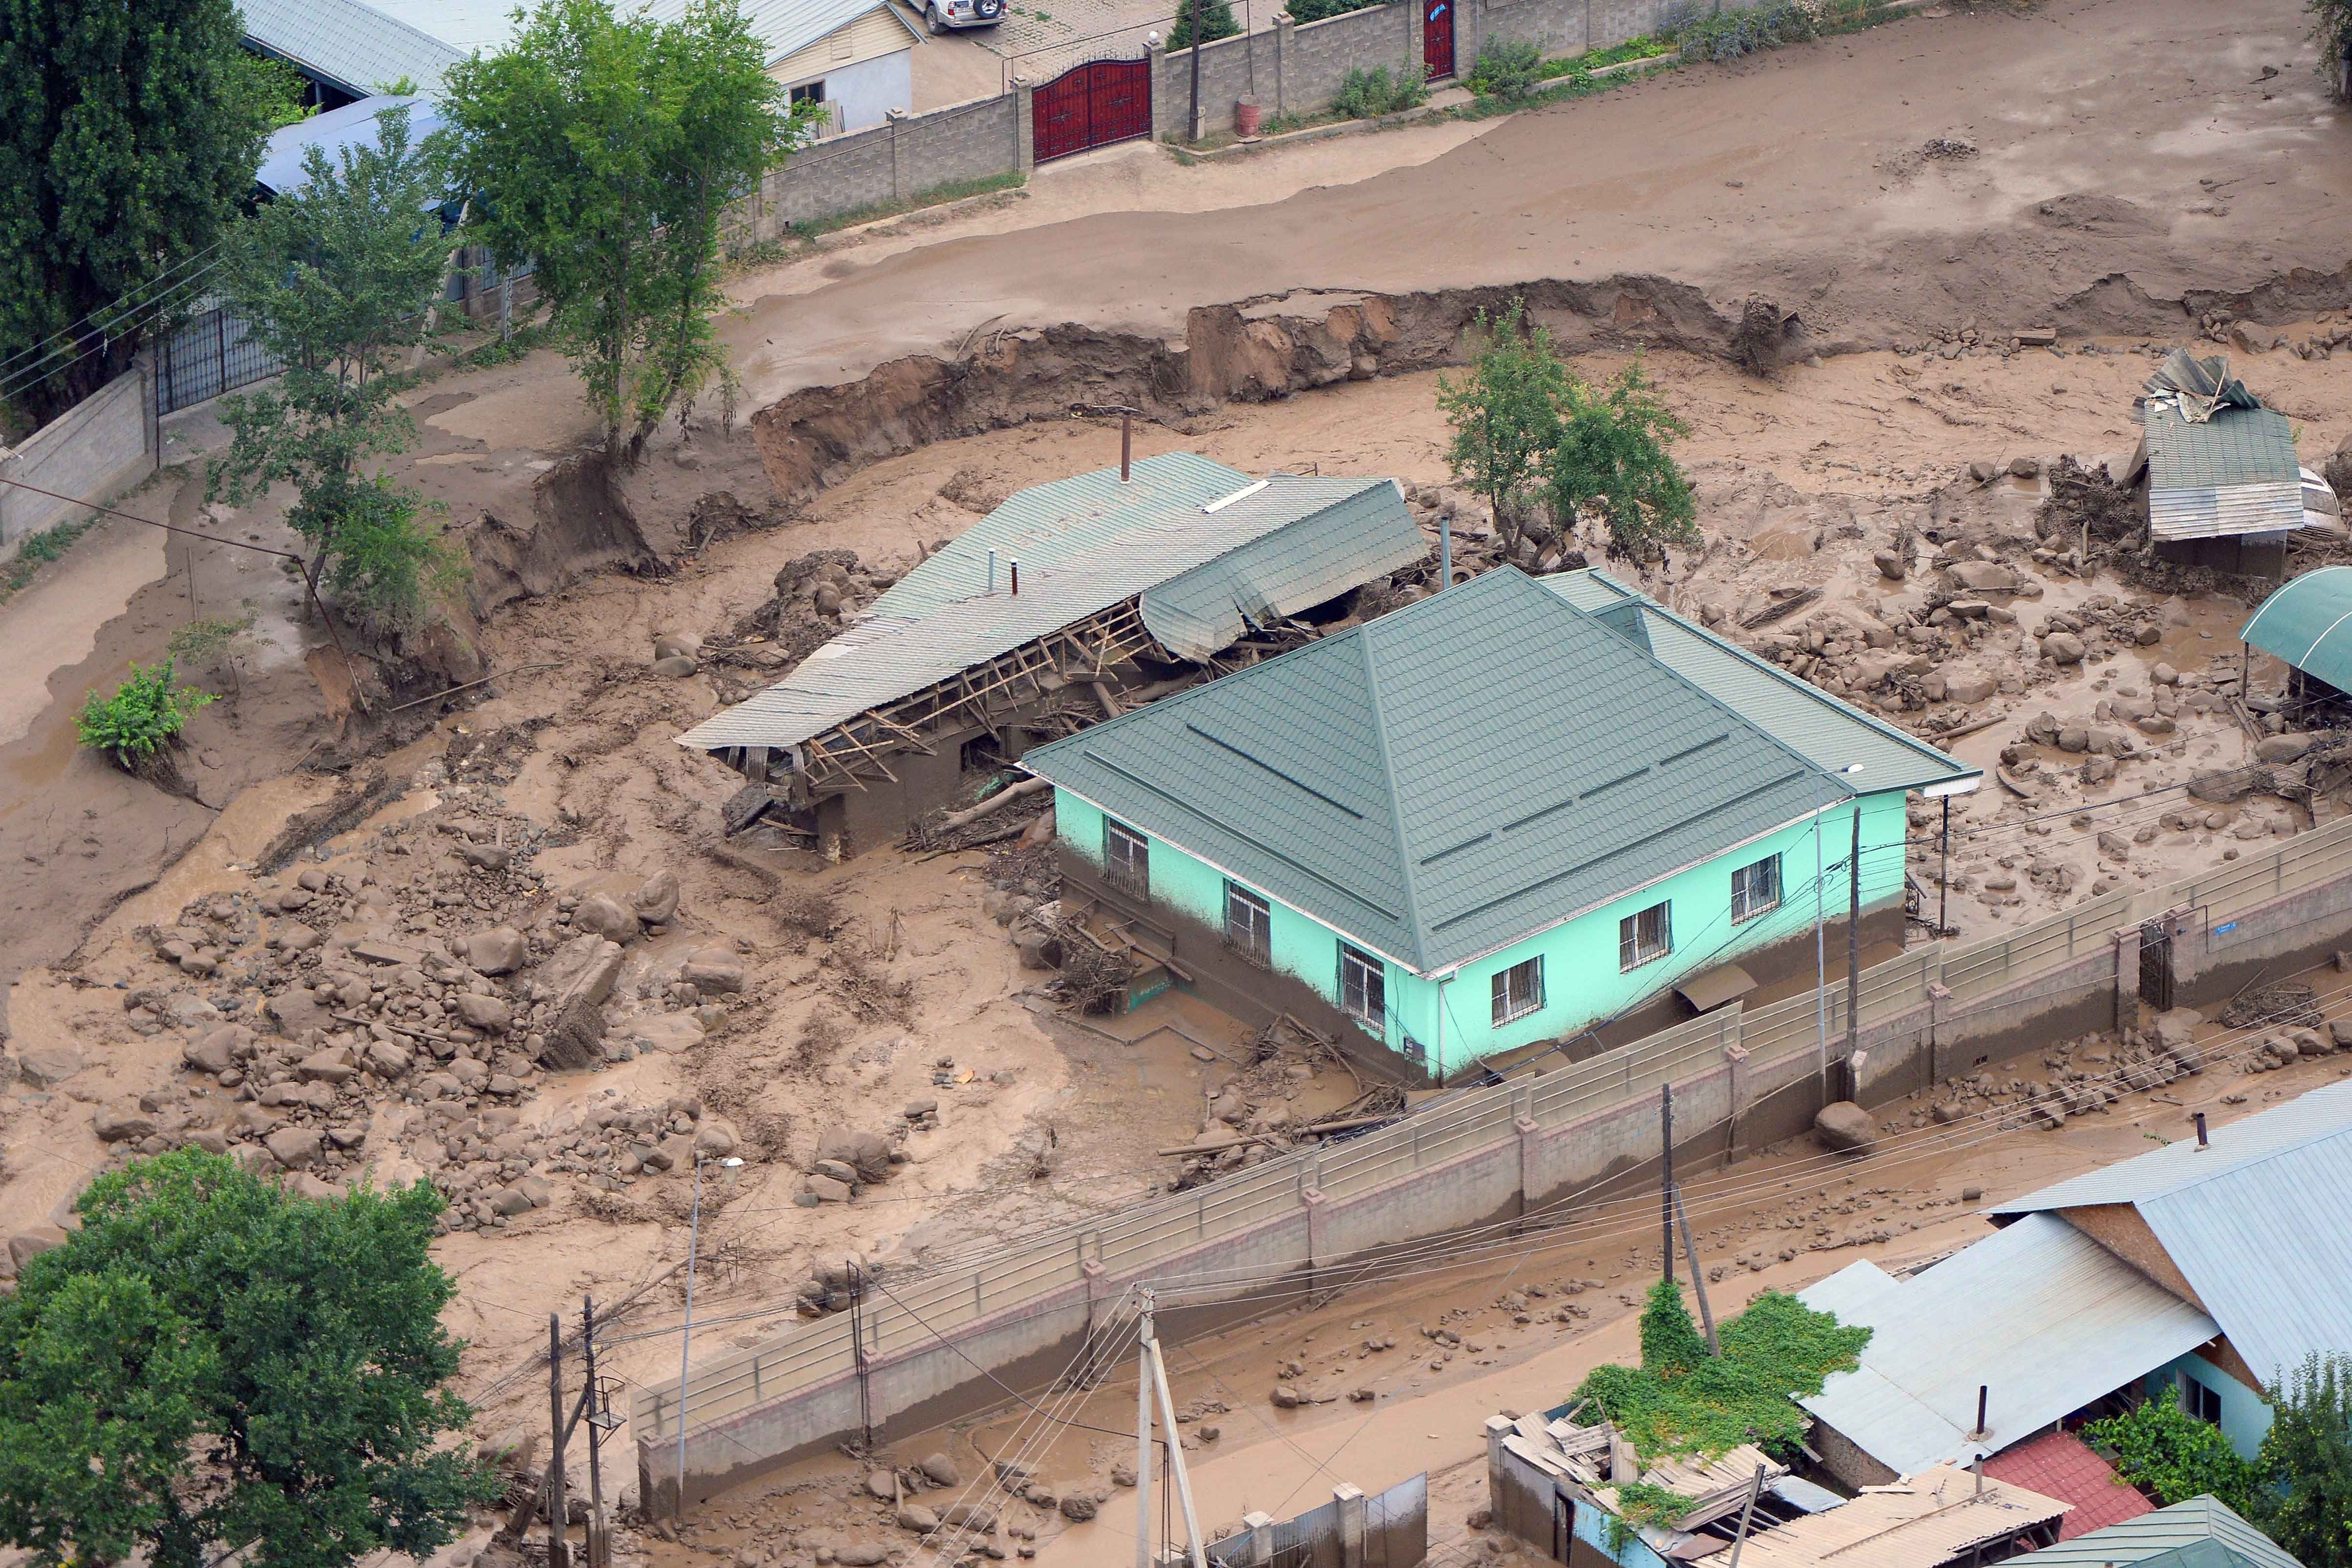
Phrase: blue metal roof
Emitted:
{"points": [[359, 48], [2166, 1538], [2308, 622], [2045, 1317], [352, 125], [2258, 1224]]}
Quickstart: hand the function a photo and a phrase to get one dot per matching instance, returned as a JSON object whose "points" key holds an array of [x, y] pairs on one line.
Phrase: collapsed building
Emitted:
{"points": [[1073, 601], [2224, 486]]}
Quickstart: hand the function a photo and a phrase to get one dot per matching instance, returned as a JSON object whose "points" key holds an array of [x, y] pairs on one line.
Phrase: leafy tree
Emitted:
{"points": [[335, 280], [2307, 1459], [1671, 1344], [2172, 1456], [1216, 22], [283, 93], [145, 715], [1612, 451], [213, 1360], [1506, 414], [605, 150], [129, 130]]}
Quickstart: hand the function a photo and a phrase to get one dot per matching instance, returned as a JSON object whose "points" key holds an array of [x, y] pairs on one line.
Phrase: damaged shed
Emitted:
{"points": [[1072, 602], [2224, 489]]}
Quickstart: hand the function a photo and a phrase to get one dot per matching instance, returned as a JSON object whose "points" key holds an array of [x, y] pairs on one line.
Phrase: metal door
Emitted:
{"points": [[1437, 37], [1091, 105], [2155, 965]]}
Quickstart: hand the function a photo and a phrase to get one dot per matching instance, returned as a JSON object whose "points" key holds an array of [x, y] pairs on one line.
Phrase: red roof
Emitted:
{"points": [[2058, 1465]]}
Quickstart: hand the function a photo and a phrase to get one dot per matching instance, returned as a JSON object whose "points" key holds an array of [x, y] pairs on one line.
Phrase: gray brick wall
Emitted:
{"points": [[890, 162], [1322, 54]]}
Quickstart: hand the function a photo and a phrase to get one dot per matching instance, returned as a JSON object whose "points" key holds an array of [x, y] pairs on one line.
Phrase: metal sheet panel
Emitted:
{"points": [[2323, 1113], [2308, 622], [2225, 511], [355, 44], [1828, 732], [352, 125], [2236, 447], [2153, 1537], [2039, 1312], [1924, 1520]]}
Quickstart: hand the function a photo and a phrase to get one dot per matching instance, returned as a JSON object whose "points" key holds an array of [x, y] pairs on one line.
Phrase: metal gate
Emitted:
{"points": [[1437, 38], [2155, 965], [1092, 105]]}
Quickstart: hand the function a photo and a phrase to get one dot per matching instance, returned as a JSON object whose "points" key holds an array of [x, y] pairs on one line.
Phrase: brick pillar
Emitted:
{"points": [[1024, 125], [1529, 1153], [1469, 36], [1098, 1291], [2126, 941], [1318, 1246], [1259, 1528], [1497, 1428], [1284, 27], [1350, 1498], [902, 175], [1413, 56]]}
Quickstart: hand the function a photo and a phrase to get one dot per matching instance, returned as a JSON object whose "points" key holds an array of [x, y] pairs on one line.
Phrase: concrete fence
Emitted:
{"points": [[1353, 1530], [949, 1339], [92, 452]]}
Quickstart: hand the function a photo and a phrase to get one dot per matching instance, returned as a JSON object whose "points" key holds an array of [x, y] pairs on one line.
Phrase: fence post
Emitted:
{"points": [[1350, 1498], [1024, 126], [900, 154], [1415, 69], [1259, 1550]]}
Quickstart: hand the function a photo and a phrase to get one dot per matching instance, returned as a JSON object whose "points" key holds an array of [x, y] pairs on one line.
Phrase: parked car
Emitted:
{"points": [[939, 16]]}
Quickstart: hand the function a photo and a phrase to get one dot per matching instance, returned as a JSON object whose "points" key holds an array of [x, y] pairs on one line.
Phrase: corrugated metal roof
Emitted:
{"points": [[2240, 1223], [2046, 1316], [358, 46], [352, 125], [1085, 544], [1825, 729], [465, 26], [1922, 1522], [1854, 1293], [2154, 1538], [2308, 622], [786, 27], [1449, 778], [2061, 1465], [2233, 474]]}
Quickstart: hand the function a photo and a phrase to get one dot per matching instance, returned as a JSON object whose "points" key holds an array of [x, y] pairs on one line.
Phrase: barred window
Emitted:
{"points": [[1644, 938], [1127, 859], [1518, 991], [1249, 926], [1363, 986], [1756, 889]]}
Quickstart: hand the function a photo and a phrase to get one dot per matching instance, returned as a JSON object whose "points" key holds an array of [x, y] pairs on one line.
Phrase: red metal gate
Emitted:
{"points": [[1437, 37], [1092, 105]]}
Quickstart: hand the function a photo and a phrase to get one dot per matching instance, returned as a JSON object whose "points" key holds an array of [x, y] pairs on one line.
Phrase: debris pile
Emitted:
{"points": [[815, 595]]}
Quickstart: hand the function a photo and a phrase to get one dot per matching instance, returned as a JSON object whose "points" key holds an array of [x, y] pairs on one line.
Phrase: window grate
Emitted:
{"points": [[1645, 937], [1754, 889], [1518, 991], [1363, 987], [1127, 860], [1249, 925]]}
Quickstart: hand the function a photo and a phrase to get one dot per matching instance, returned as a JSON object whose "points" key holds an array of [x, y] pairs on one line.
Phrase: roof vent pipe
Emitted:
{"points": [[1016, 577], [2201, 1143], [992, 569], [1125, 442]]}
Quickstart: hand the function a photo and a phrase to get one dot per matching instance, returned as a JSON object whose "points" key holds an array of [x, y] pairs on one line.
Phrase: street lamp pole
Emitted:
{"points": [[685, 1332], [1820, 919]]}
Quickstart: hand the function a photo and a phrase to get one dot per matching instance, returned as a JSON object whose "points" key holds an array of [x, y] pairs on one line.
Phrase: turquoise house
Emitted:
{"points": [[1519, 811]]}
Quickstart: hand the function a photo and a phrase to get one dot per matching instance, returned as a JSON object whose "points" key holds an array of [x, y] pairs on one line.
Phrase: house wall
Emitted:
{"points": [[863, 93], [875, 34], [2245, 1418], [1581, 981]]}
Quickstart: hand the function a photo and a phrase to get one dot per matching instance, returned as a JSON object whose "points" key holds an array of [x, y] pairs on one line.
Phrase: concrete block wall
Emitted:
{"points": [[91, 452], [900, 158]]}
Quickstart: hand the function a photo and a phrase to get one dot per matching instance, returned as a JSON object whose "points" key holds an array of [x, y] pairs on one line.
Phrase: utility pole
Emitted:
{"points": [[1698, 1282], [1944, 877], [1747, 1513], [1667, 1178], [599, 1544], [1153, 1369], [1853, 945], [1193, 126], [1144, 1552], [558, 1546]]}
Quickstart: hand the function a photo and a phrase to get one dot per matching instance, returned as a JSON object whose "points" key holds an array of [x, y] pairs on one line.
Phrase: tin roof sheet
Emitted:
{"points": [[1921, 1521], [1085, 544], [360, 48], [2308, 622], [2162, 1536], [1449, 778], [2273, 1266], [2046, 1316], [2061, 1465], [787, 26], [352, 125], [1828, 732], [2235, 473]]}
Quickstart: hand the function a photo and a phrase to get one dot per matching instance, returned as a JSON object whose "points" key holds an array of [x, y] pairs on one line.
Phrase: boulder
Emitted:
{"points": [[714, 1139], [501, 949], [491, 1014], [121, 1125], [29, 1244], [824, 1189], [978, 1518], [940, 1470], [333, 1065], [485, 857], [387, 1059], [46, 1067], [1968, 686], [579, 975], [2176, 1039], [295, 937], [1844, 1128], [1983, 576], [914, 1516], [869, 1153], [2063, 648], [713, 972], [296, 1013], [293, 1147], [215, 1050], [677, 665], [607, 917], [376, 950], [1890, 566], [882, 1486], [656, 901], [2113, 846], [1077, 1506], [2283, 748]]}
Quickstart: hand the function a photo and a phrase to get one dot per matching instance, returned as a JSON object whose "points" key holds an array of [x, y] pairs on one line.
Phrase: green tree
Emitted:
{"points": [[1506, 414], [129, 130], [604, 150], [143, 718], [211, 1361], [1216, 22], [335, 279], [2307, 1459], [2172, 1456], [1612, 451], [1671, 1344]]}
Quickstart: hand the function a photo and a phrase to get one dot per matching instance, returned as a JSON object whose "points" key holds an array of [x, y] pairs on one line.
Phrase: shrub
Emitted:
{"points": [[1507, 70], [144, 715], [1216, 22], [1364, 94], [2171, 1455], [1731, 34]]}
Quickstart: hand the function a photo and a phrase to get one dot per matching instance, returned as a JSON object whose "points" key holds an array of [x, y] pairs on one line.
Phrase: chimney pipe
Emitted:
{"points": [[1126, 443], [1983, 1391], [1016, 577], [2201, 1142], [992, 569]]}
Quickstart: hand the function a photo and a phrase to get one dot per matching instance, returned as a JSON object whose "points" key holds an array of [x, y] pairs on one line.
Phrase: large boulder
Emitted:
{"points": [[216, 1050], [867, 1153], [293, 1147], [501, 949], [2063, 648], [121, 1125], [46, 1067], [30, 1243], [656, 901], [1846, 1128], [607, 917], [491, 1014], [333, 1065], [579, 976], [713, 972], [2176, 1038]]}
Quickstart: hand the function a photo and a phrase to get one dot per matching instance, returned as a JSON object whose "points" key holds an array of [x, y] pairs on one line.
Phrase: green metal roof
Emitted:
{"points": [[1828, 732], [1450, 778], [2308, 622], [2236, 447], [2200, 1533]]}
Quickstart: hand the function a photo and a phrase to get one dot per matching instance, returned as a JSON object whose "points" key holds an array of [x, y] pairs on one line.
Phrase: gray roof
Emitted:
{"points": [[2232, 474], [358, 46], [2170, 1538], [2045, 1316], [1450, 778], [2257, 1223], [1086, 544], [786, 27], [352, 125], [465, 26], [1825, 729]]}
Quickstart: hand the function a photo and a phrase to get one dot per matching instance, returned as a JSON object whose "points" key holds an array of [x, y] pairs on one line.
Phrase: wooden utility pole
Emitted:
{"points": [[1747, 1513], [1698, 1282], [1667, 1178], [559, 1547]]}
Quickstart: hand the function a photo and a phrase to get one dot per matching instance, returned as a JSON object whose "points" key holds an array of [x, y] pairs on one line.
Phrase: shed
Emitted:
{"points": [[1940, 1516], [2307, 625]]}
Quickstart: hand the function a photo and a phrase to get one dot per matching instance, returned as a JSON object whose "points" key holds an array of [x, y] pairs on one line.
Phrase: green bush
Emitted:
{"points": [[145, 714], [2173, 1456], [1216, 22], [1507, 70], [1364, 94], [1305, 11], [1731, 34]]}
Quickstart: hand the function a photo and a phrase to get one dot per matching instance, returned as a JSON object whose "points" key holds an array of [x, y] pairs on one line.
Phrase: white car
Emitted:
{"points": [[941, 15]]}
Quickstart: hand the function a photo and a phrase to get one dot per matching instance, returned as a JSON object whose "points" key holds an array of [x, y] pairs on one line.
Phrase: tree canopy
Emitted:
{"points": [[129, 132], [212, 1360], [604, 150]]}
